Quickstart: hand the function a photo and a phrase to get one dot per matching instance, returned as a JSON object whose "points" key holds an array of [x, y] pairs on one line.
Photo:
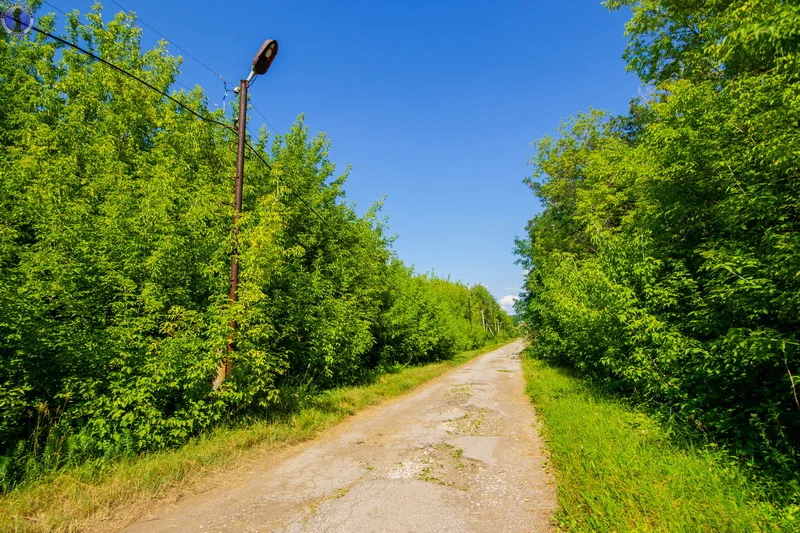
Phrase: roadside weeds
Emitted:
{"points": [[617, 469]]}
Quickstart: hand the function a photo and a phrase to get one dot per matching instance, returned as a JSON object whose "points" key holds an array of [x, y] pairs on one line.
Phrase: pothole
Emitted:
{"points": [[447, 466], [462, 390], [411, 467], [470, 423]]}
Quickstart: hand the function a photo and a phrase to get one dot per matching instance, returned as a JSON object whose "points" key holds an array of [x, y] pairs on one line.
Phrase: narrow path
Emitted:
{"points": [[461, 454]]}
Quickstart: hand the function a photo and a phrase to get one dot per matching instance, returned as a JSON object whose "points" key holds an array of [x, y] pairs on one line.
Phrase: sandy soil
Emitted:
{"points": [[460, 454]]}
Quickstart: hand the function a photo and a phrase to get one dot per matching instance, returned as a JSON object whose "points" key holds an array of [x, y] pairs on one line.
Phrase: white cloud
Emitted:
{"points": [[507, 302]]}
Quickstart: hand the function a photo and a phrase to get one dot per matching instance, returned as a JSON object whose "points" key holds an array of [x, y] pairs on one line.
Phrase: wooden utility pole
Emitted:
{"points": [[233, 296], [469, 310], [226, 367], [261, 63]]}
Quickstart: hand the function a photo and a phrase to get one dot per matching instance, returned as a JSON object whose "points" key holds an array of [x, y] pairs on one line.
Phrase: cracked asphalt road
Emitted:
{"points": [[459, 454]]}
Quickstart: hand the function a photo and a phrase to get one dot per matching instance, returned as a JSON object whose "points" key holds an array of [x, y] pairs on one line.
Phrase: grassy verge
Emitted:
{"points": [[617, 470], [105, 495]]}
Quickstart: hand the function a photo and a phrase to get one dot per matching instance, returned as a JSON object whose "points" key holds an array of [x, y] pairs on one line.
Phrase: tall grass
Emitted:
{"points": [[106, 495], [619, 471]]}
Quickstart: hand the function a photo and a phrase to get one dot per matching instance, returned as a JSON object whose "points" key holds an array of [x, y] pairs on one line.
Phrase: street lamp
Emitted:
{"points": [[265, 56], [260, 65]]}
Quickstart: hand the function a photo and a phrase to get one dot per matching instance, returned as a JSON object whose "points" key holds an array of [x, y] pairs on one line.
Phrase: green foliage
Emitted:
{"points": [[666, 262], [427, 319], [115, 248], [105, 494], [712, 40]]}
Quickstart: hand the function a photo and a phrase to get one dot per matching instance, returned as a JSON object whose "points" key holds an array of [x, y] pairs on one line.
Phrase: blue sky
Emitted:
{"points": [[434, 104]]}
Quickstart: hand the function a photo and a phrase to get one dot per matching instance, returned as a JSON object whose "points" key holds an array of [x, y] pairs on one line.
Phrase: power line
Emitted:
{"points": [[150, 86], [189, 89], [225, 82], [131, 75], [173, 43], [265, 119], [295, 194], [56, 8], [206, 119]]}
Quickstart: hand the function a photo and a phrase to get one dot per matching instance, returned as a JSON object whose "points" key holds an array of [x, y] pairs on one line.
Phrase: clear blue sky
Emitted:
{"points": [[434, 104]]}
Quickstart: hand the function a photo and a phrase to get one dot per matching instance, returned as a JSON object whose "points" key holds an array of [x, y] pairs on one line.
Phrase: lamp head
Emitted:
{"points": [[265, 56]]}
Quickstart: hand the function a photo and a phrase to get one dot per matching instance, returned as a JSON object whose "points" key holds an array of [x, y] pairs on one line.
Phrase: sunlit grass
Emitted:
{"points": [[617, 470], [105, 495]]}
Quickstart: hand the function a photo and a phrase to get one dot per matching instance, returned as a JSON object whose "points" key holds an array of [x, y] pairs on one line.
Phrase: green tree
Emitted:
{"points": [[665, 262]]}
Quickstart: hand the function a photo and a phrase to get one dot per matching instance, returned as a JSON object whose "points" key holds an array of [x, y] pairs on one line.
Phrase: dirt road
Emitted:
{"points": [[460, 454]]}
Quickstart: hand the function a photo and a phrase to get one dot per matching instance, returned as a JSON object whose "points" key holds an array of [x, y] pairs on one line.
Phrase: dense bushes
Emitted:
{"points": [[115, 215], [667, 258]]}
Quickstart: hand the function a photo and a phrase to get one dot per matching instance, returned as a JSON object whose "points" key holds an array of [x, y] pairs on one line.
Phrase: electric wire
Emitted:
{"points": [[257, 110], [153, 88], [188, 54], [225, 82], [264, 118], [57, 9], [131, 75], [294, 193], [187, 88], [173, 43], [256, 152]]}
